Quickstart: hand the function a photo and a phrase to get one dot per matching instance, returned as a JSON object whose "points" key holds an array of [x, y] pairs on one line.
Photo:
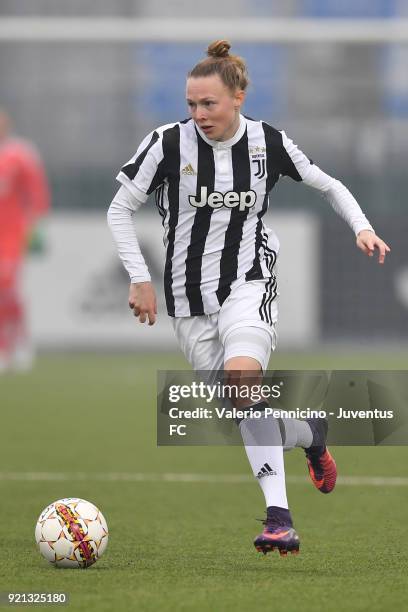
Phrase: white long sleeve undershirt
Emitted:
{"points": [[120, 221], [340, 198], [125, 204]]}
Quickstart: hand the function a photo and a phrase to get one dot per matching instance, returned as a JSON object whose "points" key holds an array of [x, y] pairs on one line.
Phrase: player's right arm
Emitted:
{"points": [[142, 297], [139, 177]]}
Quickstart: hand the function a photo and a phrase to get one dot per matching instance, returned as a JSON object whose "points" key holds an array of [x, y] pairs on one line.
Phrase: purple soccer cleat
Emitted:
{"points": [[278, 533]]}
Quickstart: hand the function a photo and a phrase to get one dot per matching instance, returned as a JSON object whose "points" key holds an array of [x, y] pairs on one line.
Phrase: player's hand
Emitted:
{"points": [[367, 241], [142, 300]]}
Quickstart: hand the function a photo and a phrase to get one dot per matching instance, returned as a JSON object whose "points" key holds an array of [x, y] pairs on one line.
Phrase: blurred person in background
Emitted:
{"points": [[212, 175], [24, 198]]}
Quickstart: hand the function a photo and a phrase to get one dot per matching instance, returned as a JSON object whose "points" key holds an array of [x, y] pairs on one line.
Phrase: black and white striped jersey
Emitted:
{"points": [[212, 197]]}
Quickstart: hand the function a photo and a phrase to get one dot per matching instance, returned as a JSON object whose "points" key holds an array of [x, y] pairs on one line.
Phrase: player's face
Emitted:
{"points": [[213, 106]]}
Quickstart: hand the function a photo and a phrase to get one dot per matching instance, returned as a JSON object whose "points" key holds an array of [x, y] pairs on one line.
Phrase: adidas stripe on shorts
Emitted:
{"points": [[245, 326]]}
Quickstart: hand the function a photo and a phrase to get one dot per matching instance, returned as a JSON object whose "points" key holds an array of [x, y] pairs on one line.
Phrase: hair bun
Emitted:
{"points": [[219, 48]]}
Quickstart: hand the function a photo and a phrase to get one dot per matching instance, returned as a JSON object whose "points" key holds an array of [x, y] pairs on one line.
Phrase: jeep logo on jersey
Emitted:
{"points": [[230, 199]]}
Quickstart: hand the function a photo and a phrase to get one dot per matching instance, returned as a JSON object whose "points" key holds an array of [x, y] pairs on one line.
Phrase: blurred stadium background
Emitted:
{"points": [[86, 81]]}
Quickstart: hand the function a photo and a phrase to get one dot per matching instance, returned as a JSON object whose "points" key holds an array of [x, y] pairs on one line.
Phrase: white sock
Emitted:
{"points": [[266, 460]]}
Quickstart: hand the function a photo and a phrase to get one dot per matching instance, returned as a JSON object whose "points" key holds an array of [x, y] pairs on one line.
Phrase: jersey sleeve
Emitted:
{"points": [[301, 168], [141, 175], [294, 162], [288, 160], [120, 221]]}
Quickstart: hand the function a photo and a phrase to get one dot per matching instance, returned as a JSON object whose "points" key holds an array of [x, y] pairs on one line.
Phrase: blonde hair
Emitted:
{"points": [[231, 69]]}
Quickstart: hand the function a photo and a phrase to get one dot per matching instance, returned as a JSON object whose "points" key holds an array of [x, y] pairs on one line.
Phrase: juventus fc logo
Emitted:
{"points": [[260, 173]]}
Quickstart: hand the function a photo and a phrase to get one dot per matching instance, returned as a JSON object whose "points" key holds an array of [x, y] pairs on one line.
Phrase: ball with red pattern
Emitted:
{"points": [[71, 532]]}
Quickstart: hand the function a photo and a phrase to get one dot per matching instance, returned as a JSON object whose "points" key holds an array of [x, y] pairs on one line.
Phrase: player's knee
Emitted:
{"points": [[242, 364], [240, 376]]}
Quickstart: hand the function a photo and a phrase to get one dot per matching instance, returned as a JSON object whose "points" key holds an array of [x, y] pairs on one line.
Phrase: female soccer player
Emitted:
{"points": [[212, 175]]}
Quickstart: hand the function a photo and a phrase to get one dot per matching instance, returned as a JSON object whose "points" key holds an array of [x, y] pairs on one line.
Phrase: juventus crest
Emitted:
{"points": [[261, 167], [258, 155]]}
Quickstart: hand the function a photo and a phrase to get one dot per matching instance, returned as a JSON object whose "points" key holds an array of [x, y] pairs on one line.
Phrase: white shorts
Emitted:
{"points": [[245, 326]]}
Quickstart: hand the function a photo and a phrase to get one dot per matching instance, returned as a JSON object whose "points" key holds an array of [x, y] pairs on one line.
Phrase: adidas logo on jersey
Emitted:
{"points": [[266, 470], [189, 170], [230, 199]]}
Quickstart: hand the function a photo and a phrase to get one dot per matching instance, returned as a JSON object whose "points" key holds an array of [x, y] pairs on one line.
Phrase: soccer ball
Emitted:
{"points": [[71, 532]]}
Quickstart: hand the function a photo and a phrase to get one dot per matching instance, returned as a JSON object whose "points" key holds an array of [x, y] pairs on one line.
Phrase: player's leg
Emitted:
{"points": [[12, 320], [248, 342], [198, 339], [249, 305], [261, 437], [263, 446]]}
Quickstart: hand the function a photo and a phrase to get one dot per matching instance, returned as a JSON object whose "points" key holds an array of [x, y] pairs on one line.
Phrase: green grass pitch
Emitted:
{"points": [[178, 546]]}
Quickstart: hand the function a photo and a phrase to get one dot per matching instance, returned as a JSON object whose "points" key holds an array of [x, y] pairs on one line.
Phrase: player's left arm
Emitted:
{"points": [[299, 167]]}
